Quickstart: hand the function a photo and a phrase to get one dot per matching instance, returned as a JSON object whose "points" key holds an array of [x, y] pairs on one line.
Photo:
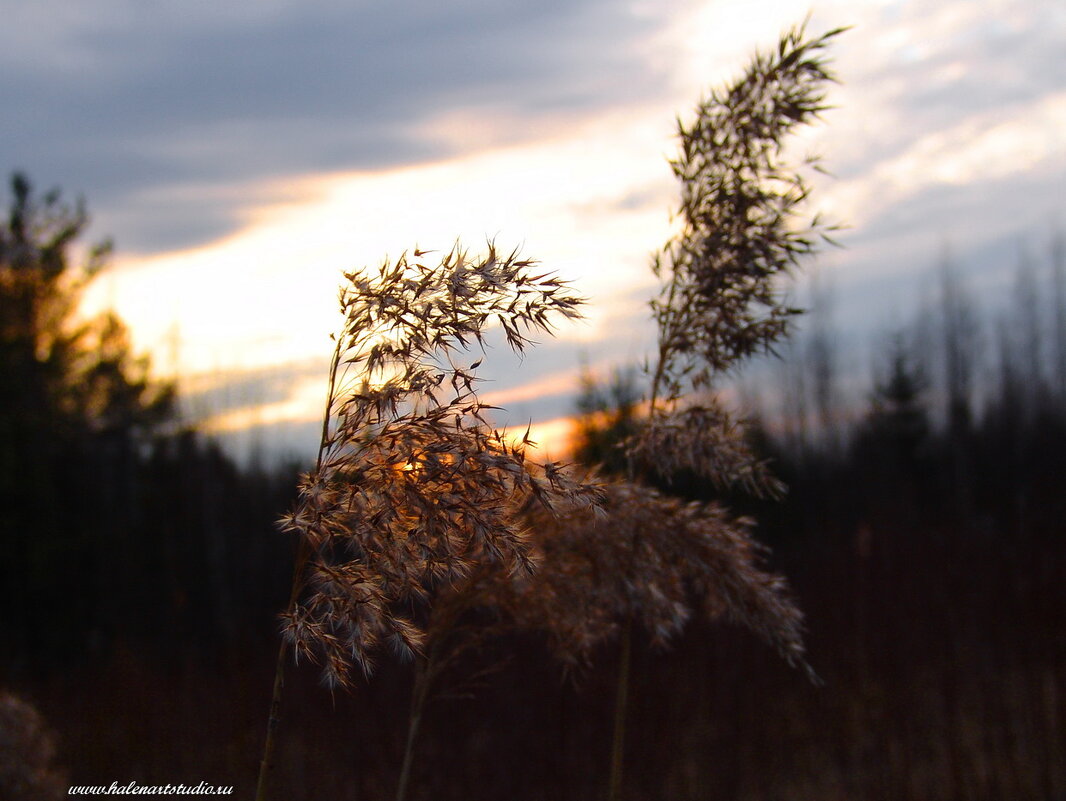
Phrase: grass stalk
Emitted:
{"points": [[266, 764], [420, 693], [620, 702], [303, 554]]}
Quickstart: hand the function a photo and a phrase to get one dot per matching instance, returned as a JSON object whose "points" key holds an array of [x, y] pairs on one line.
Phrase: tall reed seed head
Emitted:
{"points": [[743, 229], [742, 214], [413, 487]]}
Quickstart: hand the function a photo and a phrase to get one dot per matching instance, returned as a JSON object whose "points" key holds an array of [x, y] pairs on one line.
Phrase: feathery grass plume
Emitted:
{"points": [[653, 560], [412, 487], [743, 230], [639, 556], [706, 438]]}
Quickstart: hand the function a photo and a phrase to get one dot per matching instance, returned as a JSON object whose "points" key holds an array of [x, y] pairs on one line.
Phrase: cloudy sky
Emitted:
{"points": [[243, 152]]}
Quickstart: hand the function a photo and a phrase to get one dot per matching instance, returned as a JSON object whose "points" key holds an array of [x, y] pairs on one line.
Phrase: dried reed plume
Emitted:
{"points": [[653, 560], [413, 488], [721, 302], [743, 230], [639, 556]]}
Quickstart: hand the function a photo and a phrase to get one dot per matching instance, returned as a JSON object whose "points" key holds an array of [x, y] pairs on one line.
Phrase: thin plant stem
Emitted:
{"points": [[423, 678], [266, 765], [625, 656], [303, 555], [620, 701], [267, 762]]}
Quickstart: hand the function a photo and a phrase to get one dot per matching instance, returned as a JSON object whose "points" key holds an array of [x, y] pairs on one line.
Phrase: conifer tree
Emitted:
{"points": [[75, 404]]}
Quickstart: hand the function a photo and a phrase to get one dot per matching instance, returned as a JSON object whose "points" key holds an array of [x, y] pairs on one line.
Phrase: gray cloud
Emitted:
{"points": [[133, 97], [991, 65], [251, 388]]}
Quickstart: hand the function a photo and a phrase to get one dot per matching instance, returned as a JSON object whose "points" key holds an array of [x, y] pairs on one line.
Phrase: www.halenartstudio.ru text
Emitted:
{"points": [[133, 788]]}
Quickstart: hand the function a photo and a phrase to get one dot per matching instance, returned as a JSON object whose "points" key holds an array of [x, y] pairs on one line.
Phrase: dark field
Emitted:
{"points": [[942, 655]]}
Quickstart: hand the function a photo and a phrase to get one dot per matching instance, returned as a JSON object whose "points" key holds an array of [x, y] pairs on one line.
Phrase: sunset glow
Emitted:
{"points": [[589, 193]]}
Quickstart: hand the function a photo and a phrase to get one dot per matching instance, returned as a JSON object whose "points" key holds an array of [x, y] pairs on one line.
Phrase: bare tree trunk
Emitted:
{"points": [[1058, 277], [1027, 321], [824, 360], [960, 334]]}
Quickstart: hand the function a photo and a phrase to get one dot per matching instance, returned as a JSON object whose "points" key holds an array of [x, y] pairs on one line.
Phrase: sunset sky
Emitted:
{"points": [[243, 153]]}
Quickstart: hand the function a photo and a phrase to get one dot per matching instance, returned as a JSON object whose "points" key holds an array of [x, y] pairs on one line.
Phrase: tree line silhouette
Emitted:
{"points": [[961, 422], [120, 525], [961, 426]]}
